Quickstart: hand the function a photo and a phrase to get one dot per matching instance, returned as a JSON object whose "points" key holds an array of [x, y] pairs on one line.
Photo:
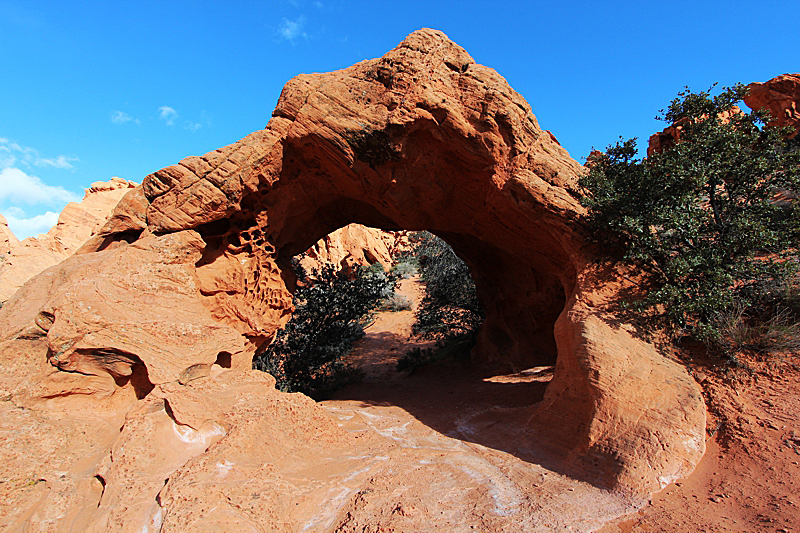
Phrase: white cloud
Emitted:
{"points": [[7, 159], [167, 114], [120, 117], [20, 188], [193, 126], [23, 227], [292, 29], [11, 153]]}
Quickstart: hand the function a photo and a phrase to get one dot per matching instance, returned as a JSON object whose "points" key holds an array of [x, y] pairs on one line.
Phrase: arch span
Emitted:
{"points": [[194, 263]]}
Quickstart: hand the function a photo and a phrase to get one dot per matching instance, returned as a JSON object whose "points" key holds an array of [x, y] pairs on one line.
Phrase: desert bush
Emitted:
{"points": [[699, 216], [397, 302], [406, 267], [736, 330], [450, 305], [331, 309], [414, 358]]}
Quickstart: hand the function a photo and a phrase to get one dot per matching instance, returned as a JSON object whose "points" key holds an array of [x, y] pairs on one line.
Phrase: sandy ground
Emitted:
{"points": [[748, 481]]}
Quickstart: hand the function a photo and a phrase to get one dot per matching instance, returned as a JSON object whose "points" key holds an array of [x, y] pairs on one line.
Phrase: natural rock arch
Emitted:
{"points": [[194, 263]]}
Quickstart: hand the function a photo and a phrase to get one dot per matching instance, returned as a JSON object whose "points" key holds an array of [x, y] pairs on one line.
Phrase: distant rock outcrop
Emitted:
{"points": [[670, 135], [129, 364], [7, 239], [356, 245], [781, 97], [76, 223]]}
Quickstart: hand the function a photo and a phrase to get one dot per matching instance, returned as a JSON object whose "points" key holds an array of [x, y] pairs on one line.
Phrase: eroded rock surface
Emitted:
{"points": [[152, 326], [76, 223]]}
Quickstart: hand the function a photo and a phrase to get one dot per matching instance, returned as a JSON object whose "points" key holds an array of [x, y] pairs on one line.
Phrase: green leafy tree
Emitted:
{"points": [[331, 309], [450, 306], [700, 216]]}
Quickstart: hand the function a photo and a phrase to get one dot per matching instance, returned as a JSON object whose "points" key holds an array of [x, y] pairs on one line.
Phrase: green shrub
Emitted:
{"points": [[397, 302], [450, 305], [406, 267], [455, 348], [699, 216], [331, 310]]}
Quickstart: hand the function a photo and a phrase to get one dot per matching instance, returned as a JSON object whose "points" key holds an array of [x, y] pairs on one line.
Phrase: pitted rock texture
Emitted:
{"points": [[781, 97], [191, 275], [76, 223]]}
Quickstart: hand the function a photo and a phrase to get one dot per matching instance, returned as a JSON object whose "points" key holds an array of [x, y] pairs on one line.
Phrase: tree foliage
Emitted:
{"points": [[700, 216], [331, 310], [450, 306]]}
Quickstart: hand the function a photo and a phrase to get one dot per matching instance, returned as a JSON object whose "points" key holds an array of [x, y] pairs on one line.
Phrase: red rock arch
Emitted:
{"points": [[422, 138]]}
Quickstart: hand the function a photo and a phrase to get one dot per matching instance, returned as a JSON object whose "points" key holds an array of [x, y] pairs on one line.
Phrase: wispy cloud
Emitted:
{"points": [[120, 117], [61, 161], [167, 114], [18, 187], [23, 226], [11, 153], [292, 29]]}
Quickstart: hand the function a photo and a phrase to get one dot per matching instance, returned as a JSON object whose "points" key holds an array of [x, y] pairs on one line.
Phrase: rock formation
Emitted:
{"points": [[76, 223], [355, 245], [670, 135], [780, 96], [145, 337]]}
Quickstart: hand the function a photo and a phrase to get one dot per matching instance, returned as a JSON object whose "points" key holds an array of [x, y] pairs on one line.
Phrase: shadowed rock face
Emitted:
{"points": [[191, 274]]}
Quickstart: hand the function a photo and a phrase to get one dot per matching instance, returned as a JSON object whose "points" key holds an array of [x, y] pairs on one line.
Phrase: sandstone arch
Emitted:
{"points": [[193, 263]]}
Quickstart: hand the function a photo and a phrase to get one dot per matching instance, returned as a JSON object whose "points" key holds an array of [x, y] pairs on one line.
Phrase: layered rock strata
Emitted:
{"points": [[145, 337]]}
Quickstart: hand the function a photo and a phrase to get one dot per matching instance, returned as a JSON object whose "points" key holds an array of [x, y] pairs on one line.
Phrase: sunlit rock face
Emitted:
{"points": [[780, 96], [355, 245], [143, 340]]}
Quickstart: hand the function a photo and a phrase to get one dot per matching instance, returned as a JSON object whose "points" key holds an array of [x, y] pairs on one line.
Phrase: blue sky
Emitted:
{"points": [[91, 90]]}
